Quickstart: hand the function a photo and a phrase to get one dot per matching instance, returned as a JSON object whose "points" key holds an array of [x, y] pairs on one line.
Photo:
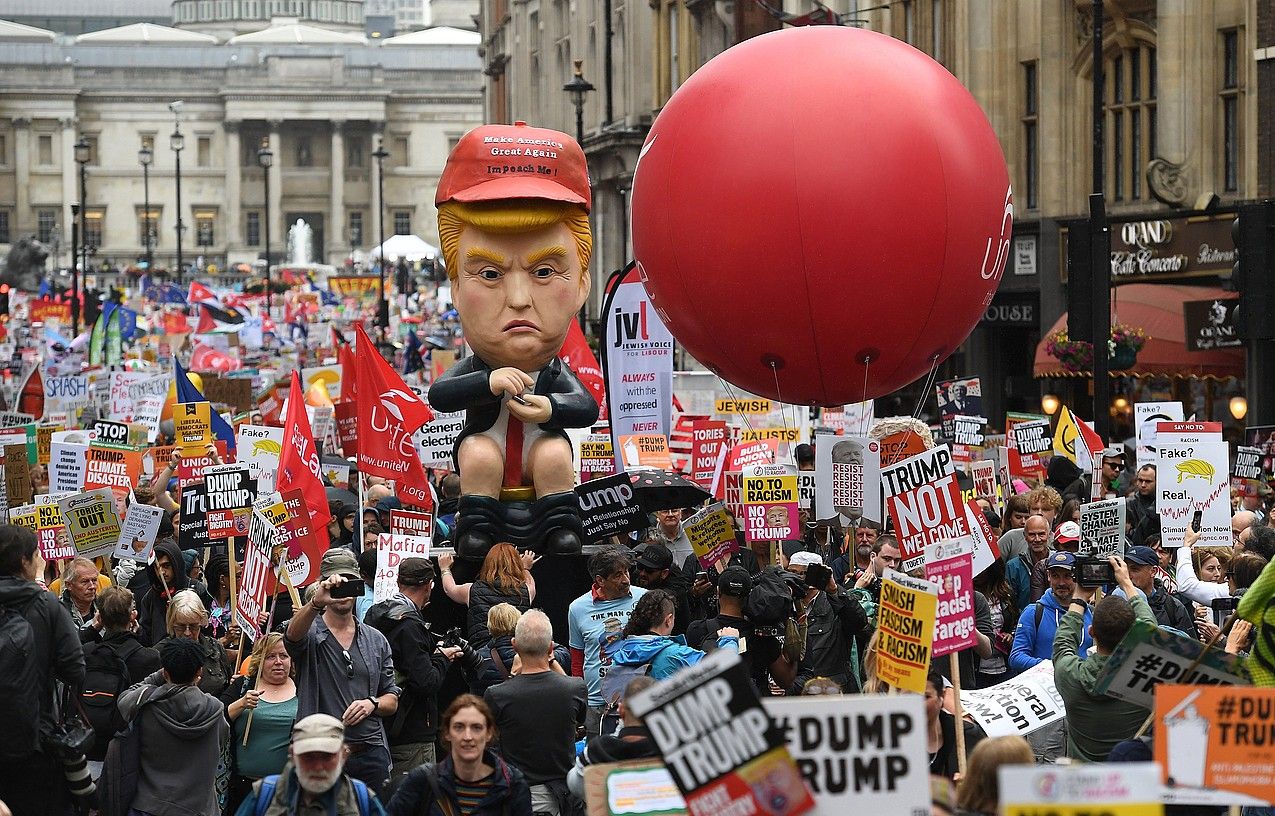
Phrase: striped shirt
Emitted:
{"points": [[470, 794]]}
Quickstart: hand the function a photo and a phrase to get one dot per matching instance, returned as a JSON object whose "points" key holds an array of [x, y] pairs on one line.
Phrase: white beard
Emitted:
{"points": [[318, 784]]}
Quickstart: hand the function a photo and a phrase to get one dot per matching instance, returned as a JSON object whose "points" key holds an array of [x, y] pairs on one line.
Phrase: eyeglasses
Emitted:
{"points": [[349, 664], [186, 627]]}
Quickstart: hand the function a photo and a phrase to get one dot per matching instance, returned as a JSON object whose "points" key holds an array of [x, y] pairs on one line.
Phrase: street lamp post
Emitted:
{"points": [[265, 158], [177, 141], [577, 88], [82, 151], [144, 157], [75, 269], [383, 308]]}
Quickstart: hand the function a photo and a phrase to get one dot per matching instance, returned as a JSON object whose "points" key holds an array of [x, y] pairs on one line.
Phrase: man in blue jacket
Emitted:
{"points": [[1034, 637]]}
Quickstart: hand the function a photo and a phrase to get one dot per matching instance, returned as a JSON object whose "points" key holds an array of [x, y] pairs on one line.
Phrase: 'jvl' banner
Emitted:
{"points": [[637, 356]]}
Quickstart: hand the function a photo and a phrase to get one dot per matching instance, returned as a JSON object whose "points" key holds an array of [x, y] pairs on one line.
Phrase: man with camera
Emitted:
{"points": [[829, 620], [344, 667], [1038, 624], [1095, 721]]}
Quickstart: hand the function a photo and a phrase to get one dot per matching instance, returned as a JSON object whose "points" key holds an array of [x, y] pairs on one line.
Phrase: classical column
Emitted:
{"points": [[234, 202], [278, 228], [336, 205], [23, 223], [70, 192]]}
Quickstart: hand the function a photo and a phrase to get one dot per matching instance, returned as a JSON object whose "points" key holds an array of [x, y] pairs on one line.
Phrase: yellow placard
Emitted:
{"points": [[192, 425], [711, 533], [756, 405], [762, 434], [44, 443], [905, 620]]}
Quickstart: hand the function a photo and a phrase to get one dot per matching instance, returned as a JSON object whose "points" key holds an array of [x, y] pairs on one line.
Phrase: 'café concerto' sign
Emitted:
{"points": [[1191, 246]]}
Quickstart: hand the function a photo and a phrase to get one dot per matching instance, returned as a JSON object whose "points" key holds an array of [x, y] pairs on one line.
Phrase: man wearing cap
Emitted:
{"points": [[831, 621], [762, 652], [654, 570], [1038, 624], [1113, 473], [1143, 562], [314, 781], [419, 663], [344, 668], [513, 221]]}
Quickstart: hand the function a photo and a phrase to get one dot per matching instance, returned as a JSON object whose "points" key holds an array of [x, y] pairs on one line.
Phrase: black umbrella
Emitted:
{"points": [[344, 496], [661, 490]]}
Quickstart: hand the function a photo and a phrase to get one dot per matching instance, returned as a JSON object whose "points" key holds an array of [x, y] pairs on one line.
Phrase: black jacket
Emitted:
{"points": [[1170, 611], [418, 667], [142, 661], [482, 597], [466, 387], [833, 623], [58, 655], [152, 609], [509, 795]]}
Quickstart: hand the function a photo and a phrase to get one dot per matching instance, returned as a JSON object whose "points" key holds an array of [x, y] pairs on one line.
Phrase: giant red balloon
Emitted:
{"points": [[815, 197]]}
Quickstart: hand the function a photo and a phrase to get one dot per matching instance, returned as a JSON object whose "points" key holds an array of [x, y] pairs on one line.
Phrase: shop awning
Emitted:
{"points": [[1157, 310]]}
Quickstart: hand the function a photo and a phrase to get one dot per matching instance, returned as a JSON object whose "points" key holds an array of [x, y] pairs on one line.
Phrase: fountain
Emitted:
{"points": [[300, 237]]}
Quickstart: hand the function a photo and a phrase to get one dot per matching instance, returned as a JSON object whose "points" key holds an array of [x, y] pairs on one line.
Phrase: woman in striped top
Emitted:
{"points": [[472, 780]]}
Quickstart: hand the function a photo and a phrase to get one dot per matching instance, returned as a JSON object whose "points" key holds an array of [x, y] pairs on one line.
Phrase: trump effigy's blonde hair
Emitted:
{"points": [[511, 217]]}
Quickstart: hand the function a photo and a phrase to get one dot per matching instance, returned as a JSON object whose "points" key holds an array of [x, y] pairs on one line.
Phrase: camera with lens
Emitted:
{"points": [[469, 660], [1093, 571], [1228, 603]]}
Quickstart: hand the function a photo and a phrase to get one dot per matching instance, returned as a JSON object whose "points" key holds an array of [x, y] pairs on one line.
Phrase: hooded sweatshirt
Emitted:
{"points": [[666, 655], [182, 733], [58, 654], [1033, 644], [152, 624]]}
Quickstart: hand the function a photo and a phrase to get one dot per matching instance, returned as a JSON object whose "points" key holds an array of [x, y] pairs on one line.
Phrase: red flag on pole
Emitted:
{"points": [[349, 384], [577, 354], [389, 413], [299, 462]]}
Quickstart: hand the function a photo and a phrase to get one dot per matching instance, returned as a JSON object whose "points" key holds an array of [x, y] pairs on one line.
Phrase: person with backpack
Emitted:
{"points": [[114, 660], [314, 780], [472, 779], [647, 638], [763, 631], [179, 734], [1038, 623], [38, 646]]}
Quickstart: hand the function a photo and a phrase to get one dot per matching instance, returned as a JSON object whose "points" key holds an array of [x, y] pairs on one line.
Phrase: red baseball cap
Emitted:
{"points": [[494, 162]]}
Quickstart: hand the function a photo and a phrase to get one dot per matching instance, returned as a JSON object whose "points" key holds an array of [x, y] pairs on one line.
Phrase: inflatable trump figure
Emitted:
{"points": [[513, 219]]}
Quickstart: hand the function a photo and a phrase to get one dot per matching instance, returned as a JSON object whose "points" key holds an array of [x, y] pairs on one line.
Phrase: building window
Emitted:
{"points": [[354, 230], [4, 227], [1230, 98], [46, 221], [1130, 120], [936, 30], [400, 152], [402, 222], [93, 220], [1031, 154], [205, 227], [4, 148], [44, 149], [148, 141], [147, 226], [355, 149], [203, 151], [252, 229]]}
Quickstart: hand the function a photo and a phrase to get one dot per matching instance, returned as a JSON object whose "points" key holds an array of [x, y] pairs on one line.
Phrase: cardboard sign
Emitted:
{"points": [[1018, 706], [391, 549], [192, 528], [436, 438], [259, 447], [1216, 746], [1193, 478], [1145, 417], [91, 521], [112, 467], [691, 714], [770, 503], [609, 507], [138, 532], [66, 393], [257, 577], [192, 425], [858, 753], [1149, 656], [710, 440], [711, 533], [848, 478], [924, 502], [949, 565], [51, 530], [410, 522], [644, 451], [17, 476], [597, 457], [1102, 527], [906, 624], [1021, 464], [1118, 789], [233, 391]]}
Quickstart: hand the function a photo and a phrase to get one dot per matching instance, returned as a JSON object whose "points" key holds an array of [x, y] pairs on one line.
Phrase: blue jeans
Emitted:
{"points": [[371, 766]]}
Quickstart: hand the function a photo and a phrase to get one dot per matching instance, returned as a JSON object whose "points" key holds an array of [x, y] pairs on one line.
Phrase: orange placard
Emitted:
{"points": [[114, 467], [646, 450], [1216, 738]]}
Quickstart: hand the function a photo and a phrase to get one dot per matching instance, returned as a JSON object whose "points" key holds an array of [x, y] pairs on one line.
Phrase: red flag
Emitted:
{"points": [[299, 462], [577, 354], [349, 385], [389, 413]]}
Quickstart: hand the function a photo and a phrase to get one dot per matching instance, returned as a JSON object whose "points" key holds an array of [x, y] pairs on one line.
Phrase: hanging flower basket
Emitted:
{"points": [[1077, 355]]}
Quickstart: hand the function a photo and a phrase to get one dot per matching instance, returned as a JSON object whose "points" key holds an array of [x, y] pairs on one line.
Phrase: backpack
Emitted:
{"points": [[770, 600], [19, 685], [117, 787], [617, 678], [269, 783], [106, 677]]}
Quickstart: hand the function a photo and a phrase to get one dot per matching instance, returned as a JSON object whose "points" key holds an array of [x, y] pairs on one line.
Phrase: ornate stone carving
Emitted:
{"points": [[1167, 181]]}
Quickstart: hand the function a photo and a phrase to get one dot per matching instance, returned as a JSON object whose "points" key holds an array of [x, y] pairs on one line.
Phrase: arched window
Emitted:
{"points": [[1130, 125]]}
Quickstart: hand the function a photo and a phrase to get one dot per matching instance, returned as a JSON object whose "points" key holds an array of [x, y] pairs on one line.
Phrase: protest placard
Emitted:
{"points": [[1031, 437], [641, 787], [192, 425], [25, 516], [949, 565], [192, 528], [14, 419], [51, 529], [597, 457], [391, 549], [1102, 528], [65, 393], [338, 475], [235, 392], [1019, 706], [330, 375], [44, 443], [304, 546], [66, 466], [259, 447], [854, 419], [17, 475], [346, 417], [983, 472], [229, 491], [1192, 478], [1216, 746], [710, 441], [858, 753], [257, 579], [807, 486], [924, 502], [956, 397], [848, 478], [644, 451], [609, 507], [411, 522], [770, 503], [110, 433], [789, 435], [1246, 474], [112, 467], [1146, 415], [1149, 656], [192, 464], [138, 531], [967, 437], [711, 533], [697, 711], [906, 622], [436, 438], [1115, 789], [91, 521], [731, 406], [1018, 463]]}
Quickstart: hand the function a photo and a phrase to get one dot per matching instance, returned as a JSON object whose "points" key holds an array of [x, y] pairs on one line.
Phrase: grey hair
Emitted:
{"points": [[534, 633]]}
